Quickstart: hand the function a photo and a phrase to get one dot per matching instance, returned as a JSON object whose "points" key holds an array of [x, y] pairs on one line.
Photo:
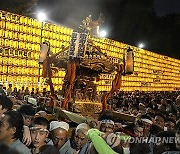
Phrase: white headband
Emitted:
{"points": [[147, 120], [57, 124], [38, 128], [83, 127], [107, 121]]}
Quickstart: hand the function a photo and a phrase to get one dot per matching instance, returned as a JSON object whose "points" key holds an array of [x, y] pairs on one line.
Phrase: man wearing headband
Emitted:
{"points": [[147, 130], [58, 131], [107, 124], [27, 113], [80, 142], [147, 124], [39, 133], [159, 120]]}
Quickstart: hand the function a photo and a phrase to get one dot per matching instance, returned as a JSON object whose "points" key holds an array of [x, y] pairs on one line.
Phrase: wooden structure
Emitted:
{"points": [[84, 62]]}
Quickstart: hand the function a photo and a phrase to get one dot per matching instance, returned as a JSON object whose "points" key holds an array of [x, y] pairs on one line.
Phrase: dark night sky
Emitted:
{"points": [[164, 7], [118, 16], [128, 21], [84, 7], [70, 12]]}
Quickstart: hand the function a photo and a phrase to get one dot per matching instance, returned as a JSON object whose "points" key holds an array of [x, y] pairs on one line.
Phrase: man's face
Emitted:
{"points": [[141, 107], [162, 108], [2, 110], [149, 110], [146, 126], [139, 131], [170, 125], [79, 139], [27, 119], [160, 121], [172, 116], [163, 101], [39, 135], [59, 137], [107, 128], [6, 133]]}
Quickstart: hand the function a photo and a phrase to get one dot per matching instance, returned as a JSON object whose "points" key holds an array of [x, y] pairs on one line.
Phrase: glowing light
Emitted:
{"points": [[103, 33], [141, 45], [41, 16]]}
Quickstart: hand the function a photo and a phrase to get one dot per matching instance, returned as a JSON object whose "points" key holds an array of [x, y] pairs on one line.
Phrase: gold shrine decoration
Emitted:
{"points": [[20, 40], [87, 107]]}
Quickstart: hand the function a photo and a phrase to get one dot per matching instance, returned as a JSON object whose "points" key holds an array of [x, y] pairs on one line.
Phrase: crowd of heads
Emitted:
{"points": [[25, 128]]}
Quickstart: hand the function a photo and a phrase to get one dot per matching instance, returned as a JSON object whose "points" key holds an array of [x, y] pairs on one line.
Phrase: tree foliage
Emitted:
{"points": [[22, 7], [136, 21]]}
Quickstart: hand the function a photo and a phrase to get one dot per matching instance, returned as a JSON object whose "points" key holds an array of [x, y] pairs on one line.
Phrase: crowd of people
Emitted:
{"points": [[26, 129]]}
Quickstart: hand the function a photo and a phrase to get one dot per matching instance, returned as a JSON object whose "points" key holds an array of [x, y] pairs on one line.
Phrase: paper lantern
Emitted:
{"points": [[129, 62], [43, 52]]}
